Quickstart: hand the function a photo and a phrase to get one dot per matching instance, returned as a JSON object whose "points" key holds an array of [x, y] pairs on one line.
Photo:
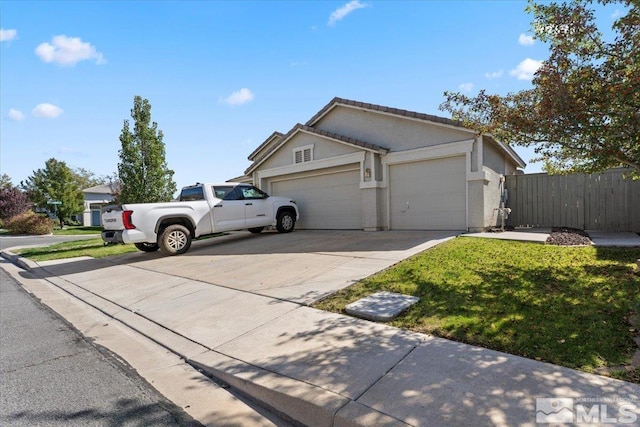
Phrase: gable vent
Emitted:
{"points": [[302, 155]]}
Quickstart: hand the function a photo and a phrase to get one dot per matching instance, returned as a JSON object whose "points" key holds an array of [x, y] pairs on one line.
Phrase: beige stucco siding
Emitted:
{"points": [[323, 148], [494, 158], [395, 133]]}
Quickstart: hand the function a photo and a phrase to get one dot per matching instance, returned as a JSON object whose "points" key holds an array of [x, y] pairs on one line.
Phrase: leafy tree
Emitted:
{"points": [[56, 182], [13, 202], [583, 112], [5, 181], [87, 179], [143, 171]]}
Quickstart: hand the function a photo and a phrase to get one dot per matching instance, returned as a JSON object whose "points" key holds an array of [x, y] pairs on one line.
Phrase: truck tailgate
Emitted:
{"points": [[112, 219]]}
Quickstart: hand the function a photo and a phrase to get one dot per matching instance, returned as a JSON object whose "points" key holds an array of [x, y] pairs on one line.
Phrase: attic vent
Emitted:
{"points": [[303, 154]]}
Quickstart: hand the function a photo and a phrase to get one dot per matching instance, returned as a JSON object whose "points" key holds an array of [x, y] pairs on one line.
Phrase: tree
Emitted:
{"points": [[5, 181], [13, 202], [55, 183], [583, 112], [87, 179], [142, 171]]}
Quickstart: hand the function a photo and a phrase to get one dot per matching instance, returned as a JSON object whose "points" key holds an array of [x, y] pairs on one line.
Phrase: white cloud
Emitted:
{"points": [[15, 115], [48, 111], [7, 35], [526, 40], [240, 97], [68, 51], [494, 75], [526, 69], [466, 87], [340, 13], [616, 14]]}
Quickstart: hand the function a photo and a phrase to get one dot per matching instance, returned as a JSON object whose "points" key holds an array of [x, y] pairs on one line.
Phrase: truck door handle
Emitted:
{"points": [[248, 204]]}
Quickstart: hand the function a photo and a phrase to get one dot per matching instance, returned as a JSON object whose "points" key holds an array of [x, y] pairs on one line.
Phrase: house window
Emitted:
{"points": [[303, 154]]}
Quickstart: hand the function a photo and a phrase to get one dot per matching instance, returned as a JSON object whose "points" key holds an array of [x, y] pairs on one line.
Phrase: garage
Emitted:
{"points": [[329, 199], [437, 202]]}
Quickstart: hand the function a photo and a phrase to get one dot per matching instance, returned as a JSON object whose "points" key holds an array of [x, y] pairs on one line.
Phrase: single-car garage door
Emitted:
{"points": [[428, 195], [329, 201]]}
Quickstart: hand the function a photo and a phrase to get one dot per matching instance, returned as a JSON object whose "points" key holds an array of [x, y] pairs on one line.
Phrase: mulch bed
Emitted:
{"points": [[567, 236]]}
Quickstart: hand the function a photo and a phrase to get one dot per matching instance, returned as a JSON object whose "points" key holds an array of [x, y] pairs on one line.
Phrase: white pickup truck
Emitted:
{"points": [[201, 209]]}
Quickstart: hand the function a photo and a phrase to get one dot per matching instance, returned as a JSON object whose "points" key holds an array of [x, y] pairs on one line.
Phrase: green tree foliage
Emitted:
{"points": [[583, 112], [5, 181], [87, 179], [142, 171], [56, 182]]}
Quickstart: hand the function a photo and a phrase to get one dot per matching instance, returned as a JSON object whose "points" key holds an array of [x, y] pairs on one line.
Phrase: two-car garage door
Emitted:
{"points": [[428, 195], [329, 200], [422, 195]]}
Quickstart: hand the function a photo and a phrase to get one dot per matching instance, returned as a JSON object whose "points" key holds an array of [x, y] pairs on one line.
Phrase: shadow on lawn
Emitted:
{"points": [[550, 314]]}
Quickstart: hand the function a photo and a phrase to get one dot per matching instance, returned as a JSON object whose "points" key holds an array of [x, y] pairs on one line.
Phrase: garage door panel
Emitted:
{"points": [[428, 195], [328, 201]]}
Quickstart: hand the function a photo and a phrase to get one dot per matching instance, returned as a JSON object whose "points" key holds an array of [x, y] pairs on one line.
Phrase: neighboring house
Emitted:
{"points": [[362, 166], [94, 199]]}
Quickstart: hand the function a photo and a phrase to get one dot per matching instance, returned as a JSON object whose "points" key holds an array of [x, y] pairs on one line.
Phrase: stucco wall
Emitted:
{"points": [[394, 133], [323, 148]]}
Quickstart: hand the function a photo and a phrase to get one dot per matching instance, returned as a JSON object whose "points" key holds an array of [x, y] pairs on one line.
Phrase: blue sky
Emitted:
{"points": [[222, 76]]}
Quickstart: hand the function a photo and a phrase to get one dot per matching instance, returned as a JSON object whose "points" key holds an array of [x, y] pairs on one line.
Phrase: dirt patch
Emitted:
{"points": [[567, 236]]}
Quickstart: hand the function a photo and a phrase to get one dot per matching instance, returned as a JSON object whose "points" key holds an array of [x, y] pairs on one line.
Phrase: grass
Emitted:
{"points": [[565, 305], [75, 230], [90, 247]]}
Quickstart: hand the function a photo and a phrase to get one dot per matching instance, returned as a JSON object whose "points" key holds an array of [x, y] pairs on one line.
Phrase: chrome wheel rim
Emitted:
{"points": [[176, 240]]}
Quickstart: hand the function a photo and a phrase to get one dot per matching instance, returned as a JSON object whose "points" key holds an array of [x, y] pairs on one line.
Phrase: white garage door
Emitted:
{"points": [[428, 195], [330, 201]]}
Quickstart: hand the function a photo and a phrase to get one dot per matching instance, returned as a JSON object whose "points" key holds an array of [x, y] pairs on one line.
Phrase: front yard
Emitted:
{"points": [[571, 306]]}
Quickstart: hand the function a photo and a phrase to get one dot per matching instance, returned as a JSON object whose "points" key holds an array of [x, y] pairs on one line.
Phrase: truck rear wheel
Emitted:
{"points": [[175, 239], [147, 247]]}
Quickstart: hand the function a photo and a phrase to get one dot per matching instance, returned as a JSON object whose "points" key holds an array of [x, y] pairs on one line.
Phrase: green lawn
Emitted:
{"points": [[74, 230], [90, 247], [565, 305]]}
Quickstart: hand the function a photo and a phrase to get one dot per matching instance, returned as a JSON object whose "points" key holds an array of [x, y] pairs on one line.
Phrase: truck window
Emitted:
{"points": [[227, 192], [253, 193], [190, 194]]}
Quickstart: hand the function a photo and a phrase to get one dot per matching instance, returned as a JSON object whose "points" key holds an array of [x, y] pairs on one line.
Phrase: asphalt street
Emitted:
{"points": [[51, 376]]}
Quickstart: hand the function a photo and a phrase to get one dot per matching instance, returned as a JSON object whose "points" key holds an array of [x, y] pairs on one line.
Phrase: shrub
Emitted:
{"points": [[13, 202], [29, 223]]}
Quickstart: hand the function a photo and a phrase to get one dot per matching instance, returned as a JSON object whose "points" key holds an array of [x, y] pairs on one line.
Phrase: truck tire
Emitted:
{"points": [[285, 222], [147, 247], [175, 239], [256, 230]]}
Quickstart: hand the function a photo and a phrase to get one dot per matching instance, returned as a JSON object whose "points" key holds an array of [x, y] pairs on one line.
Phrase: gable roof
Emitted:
{"points": [[273, 137], [98, 189], [321, 133], [382, 109]]}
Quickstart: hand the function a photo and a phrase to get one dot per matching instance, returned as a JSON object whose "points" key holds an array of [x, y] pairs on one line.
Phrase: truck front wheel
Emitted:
{"points": [[285, 222], [175, 239]]}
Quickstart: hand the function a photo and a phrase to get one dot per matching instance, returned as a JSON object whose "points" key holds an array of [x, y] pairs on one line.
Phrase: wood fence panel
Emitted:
{"points": [[605, 201]]}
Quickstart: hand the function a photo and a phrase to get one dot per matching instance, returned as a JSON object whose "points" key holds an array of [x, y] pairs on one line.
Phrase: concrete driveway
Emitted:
{"points": [[300, 267]]}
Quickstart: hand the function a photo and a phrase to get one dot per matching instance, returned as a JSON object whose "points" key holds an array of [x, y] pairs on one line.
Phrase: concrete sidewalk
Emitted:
{"points": [[324, 369]]}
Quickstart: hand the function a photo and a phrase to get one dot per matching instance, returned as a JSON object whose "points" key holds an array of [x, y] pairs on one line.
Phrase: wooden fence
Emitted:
{"points": [[604, 201]]}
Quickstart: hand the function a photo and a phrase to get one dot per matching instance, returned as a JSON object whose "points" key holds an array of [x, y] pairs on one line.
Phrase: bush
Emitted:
{"points": [[13, 202], [29, 223]]}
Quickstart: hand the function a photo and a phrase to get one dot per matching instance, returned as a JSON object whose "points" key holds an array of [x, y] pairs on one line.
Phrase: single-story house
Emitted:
{"points": [[362, 166], [94, 199]]}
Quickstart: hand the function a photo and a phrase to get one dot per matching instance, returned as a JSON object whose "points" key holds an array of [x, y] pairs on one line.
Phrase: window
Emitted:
{"points": [[303, 154], [253, 193], [190, 194], [226, 192]]}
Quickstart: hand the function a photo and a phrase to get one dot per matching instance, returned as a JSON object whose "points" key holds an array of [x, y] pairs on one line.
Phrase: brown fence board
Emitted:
{"points": [[604, 201]]}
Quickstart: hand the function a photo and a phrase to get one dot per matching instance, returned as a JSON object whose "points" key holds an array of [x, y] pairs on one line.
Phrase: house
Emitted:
{"points": [[94, 199], [362, 166]]}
